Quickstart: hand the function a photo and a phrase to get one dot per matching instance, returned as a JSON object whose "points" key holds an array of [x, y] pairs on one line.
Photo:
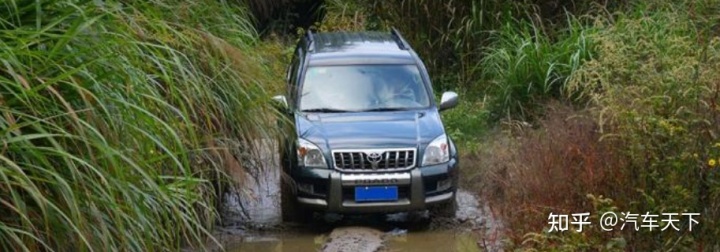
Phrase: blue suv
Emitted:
{"points": [[367, 136]]}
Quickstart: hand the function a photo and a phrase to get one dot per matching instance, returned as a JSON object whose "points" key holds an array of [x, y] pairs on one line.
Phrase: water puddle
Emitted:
{"points": [[290, 242], [446, 240], [472, 229], [434, 241]]}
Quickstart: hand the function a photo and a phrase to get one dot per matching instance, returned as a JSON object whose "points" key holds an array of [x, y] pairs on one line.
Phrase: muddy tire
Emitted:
{"points": [[292, 211], [445, 209]]}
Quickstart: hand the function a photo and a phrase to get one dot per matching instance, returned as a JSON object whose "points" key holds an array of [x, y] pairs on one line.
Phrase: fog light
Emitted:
{"points": [[306, 188], [443, 185]]}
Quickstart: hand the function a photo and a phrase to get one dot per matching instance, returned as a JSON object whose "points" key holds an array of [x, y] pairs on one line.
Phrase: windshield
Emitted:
{"points": [[363, 88]]}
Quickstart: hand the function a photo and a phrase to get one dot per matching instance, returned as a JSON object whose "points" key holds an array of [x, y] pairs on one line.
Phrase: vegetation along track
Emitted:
{"points": [[123, 122]]}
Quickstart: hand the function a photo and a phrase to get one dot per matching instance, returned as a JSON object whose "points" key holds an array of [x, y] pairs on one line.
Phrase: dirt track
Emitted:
{"points": [[472, 229], [252, 221]]}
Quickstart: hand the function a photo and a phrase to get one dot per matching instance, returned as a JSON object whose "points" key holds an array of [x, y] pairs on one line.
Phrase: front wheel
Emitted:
{"points": [[292, 211], [446, 209]]}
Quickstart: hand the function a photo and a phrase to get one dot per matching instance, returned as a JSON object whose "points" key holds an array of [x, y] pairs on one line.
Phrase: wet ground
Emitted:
{"points": [[252, 221], [414, 241], [472, 229]]}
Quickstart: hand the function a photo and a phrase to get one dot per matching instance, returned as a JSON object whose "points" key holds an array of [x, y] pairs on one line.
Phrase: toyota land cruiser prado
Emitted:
{"points": [[368, 137]]}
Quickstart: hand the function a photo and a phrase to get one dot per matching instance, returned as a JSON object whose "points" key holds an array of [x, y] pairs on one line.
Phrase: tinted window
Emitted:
{"points": [[363, 87]]}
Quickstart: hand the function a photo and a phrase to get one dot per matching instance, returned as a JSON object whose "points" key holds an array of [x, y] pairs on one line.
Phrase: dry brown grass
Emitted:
{"points": [[528, 172]]}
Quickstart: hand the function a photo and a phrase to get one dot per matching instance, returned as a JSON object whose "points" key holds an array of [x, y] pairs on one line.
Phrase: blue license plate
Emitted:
{"points": [[376, 193]]}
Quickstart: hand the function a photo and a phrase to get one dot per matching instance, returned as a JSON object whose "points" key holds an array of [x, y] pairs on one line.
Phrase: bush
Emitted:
{"points": [[655, 84], [551, 169], [652, 92]]}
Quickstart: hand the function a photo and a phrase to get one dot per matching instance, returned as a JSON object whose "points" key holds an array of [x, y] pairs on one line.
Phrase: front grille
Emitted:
{"points": [[370, 160]]}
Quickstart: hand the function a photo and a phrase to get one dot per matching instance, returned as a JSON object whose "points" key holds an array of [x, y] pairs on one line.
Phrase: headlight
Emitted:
{"points": [[309, 154], [437, 151]]}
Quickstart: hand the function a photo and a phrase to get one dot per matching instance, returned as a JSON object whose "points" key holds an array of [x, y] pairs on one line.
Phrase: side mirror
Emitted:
{"points": [[280, 101], [449, 100]]}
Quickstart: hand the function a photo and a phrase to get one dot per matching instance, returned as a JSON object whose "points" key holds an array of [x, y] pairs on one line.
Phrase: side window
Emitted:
{"points": [[288, 71], [292, 76], [292, 72]]}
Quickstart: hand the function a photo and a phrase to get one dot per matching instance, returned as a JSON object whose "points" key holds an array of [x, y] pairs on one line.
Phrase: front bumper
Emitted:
{"points": [[332, 190]]}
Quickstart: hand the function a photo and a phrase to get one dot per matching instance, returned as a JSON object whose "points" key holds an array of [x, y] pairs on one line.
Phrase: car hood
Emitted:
{"points": [[396, 129]]}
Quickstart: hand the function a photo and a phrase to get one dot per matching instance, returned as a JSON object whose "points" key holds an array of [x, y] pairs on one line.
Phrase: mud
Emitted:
{"points": [[252, 221], [255, 200], [360, 239], [473, 228]]}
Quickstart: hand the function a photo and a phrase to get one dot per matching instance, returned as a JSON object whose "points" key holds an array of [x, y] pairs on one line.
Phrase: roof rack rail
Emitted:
{"points": [[310, 40], [399, 39]]}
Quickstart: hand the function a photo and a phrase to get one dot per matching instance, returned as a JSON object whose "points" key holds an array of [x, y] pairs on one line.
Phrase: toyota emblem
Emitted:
{"points": [[374, 158]]}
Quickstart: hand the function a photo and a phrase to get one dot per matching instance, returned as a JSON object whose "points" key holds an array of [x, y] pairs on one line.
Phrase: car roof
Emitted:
{"points": [[337, 48]]}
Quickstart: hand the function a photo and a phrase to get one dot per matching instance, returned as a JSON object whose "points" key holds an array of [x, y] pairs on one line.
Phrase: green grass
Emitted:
{"points": [[524, 67], [467, 123], [644, 82], [116, 117], [108, 113], [655, 85], [448, 36], [646, 71]]}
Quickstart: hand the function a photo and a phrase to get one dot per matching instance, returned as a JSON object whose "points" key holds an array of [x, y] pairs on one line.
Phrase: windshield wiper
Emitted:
{"points": [[325, 110], [384, 109]]}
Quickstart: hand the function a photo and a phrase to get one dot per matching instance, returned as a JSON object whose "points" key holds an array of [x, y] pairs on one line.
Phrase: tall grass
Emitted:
{"points": [[448, 35], [109, 111], [341, 15], [524, 67], [655, 84], [647, 141]]}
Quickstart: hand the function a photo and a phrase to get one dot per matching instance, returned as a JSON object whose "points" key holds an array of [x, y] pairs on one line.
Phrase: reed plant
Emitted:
{"points": [[654, 86], [524, 67], [112, 117]]}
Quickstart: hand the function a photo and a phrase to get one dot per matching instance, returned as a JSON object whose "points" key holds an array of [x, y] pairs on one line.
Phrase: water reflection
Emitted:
{"points": [[277, 244], [412, 241]]}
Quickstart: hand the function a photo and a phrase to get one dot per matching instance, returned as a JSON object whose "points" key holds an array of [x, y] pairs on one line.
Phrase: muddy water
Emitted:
{"points": [[435, 241], [257, 207], [445, 240], [472, 229], [293, 242]]}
